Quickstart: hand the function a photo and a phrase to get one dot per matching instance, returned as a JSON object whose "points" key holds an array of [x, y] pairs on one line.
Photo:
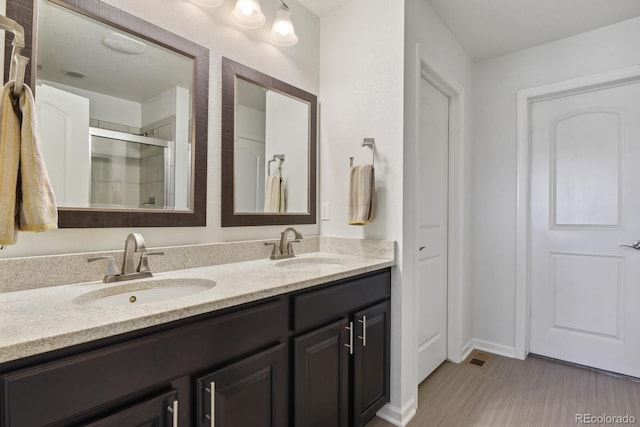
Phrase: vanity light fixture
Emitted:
{"points": [[282, 31], [248, 13], [208, 3]]}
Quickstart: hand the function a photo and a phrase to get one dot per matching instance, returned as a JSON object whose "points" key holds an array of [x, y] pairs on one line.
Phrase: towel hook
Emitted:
{"points": [[18, 66], [371, 143]]}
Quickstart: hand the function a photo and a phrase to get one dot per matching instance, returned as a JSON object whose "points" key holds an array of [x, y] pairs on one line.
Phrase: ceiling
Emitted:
{"points": [[61, 49], [490, 28]]}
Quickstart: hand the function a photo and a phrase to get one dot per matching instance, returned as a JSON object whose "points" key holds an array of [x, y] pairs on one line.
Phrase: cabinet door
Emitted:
{"points": [[160, 411], [321, 374], [249, 393], [371, 362]]}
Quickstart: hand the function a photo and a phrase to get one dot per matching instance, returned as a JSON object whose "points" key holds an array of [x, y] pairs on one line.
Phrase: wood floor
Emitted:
{"points": [[509, 392]]}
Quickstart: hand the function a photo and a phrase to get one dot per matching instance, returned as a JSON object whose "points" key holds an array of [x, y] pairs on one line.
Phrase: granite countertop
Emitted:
{"points": [[40, 320]]}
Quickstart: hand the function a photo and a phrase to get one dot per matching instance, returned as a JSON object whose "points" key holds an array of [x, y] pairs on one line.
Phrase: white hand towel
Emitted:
{"points": [[361, 195], [272, 194], [9, 164], [33, 204]]}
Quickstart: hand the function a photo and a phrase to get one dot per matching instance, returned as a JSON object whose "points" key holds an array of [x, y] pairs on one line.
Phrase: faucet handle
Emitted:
{"points": [[112, 270], [143, 265], [273, 251]]}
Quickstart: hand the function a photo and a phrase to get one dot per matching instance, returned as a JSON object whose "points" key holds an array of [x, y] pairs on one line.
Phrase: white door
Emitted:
{"points": [[63, 119], [250, 183], [585, 202], [433, 202]]}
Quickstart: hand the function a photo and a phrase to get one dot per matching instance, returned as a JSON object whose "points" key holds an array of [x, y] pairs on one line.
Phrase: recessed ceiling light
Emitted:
{"points": [[123, 44]]}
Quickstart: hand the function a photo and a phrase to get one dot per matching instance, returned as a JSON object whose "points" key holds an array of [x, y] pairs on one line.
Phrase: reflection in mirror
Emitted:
{"points": [[126, 97], [269, 150], [122, 111]]}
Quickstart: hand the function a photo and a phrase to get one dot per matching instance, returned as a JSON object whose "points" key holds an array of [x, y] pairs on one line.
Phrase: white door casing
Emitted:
{"points": [[433, 174], [585, 147]]}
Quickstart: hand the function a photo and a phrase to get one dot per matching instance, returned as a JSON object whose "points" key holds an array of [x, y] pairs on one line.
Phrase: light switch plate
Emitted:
{"points": [[324, 211]]}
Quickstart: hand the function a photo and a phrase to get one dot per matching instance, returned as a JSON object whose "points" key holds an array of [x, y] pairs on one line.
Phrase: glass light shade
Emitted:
{"points": [[208, 3], [248, 13], [282, 31]]}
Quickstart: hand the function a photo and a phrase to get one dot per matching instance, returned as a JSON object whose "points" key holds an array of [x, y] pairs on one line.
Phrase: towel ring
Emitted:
{"points": [[371, 143], [275, 157]]}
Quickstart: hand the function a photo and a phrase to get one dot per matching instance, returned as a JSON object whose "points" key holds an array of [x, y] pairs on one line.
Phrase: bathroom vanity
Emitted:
{"points": [[308, 346]]}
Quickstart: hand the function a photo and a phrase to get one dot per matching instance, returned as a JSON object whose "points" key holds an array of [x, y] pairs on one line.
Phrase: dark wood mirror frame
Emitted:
{"points": [[25, 13], [230, 218]]}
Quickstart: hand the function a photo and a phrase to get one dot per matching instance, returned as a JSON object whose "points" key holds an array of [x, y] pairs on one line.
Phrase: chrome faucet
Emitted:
{"points": [[285, 246], [134, 243]]}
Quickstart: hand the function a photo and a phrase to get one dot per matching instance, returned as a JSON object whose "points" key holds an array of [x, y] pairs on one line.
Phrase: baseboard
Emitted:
{"points": [[467, 349], [398, 416], [490, 347]]}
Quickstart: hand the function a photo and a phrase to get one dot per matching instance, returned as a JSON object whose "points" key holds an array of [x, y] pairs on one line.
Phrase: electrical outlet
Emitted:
{"points": [[324, 211]]}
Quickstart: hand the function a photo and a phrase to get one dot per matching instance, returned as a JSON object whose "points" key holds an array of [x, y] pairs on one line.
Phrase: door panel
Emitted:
{"points": [[155, 412], [585, 203], [321, 375], [249, 393], [371, 362], [433, 212]]}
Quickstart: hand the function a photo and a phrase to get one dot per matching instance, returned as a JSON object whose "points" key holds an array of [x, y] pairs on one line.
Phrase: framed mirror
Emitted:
{"points": [[268, 150], [122, 109]]}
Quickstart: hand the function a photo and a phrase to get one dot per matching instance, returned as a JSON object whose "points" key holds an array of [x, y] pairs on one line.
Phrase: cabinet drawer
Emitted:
{"points": [[314, 308], [91, 382]]}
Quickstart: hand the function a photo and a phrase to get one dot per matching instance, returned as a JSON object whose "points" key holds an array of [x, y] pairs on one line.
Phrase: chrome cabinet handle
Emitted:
{"points": [[174, 412], [212, 391], [635, 245], [364, 330], [350, 345]]}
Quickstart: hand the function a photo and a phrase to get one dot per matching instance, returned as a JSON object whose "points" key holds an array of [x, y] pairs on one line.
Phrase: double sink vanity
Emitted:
{"points": [[225, 334], [302, 341]]}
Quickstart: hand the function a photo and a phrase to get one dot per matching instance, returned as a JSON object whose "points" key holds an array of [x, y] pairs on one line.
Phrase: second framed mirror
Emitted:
{"points": [[268, 150]]}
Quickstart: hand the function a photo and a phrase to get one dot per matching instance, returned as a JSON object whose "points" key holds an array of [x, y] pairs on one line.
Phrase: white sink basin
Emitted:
{"points": [[310, 263], [143, 292]]}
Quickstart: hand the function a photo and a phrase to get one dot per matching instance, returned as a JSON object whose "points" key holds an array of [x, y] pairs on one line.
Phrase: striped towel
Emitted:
{"points": [[361, 194], [27, 201]]}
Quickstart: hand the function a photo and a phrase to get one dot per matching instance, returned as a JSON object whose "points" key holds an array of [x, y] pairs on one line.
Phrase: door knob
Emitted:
{"points": [[421, 248], [635, 245]]}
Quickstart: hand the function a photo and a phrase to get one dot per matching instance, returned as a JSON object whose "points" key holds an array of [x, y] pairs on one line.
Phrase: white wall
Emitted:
{"points": [[361, 81], [104, 107], [287, 130], [212, 28], [496, 82]]}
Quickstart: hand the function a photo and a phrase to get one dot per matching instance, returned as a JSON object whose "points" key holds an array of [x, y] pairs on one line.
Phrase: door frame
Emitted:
{"points": [[430, 71], [525, 98]]}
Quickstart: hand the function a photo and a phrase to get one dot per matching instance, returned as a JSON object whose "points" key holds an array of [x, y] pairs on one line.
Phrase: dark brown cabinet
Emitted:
{"points": [[341, 370], [160, 411], [371, 362], [250, 393], [322, 377], [318, 357]]}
